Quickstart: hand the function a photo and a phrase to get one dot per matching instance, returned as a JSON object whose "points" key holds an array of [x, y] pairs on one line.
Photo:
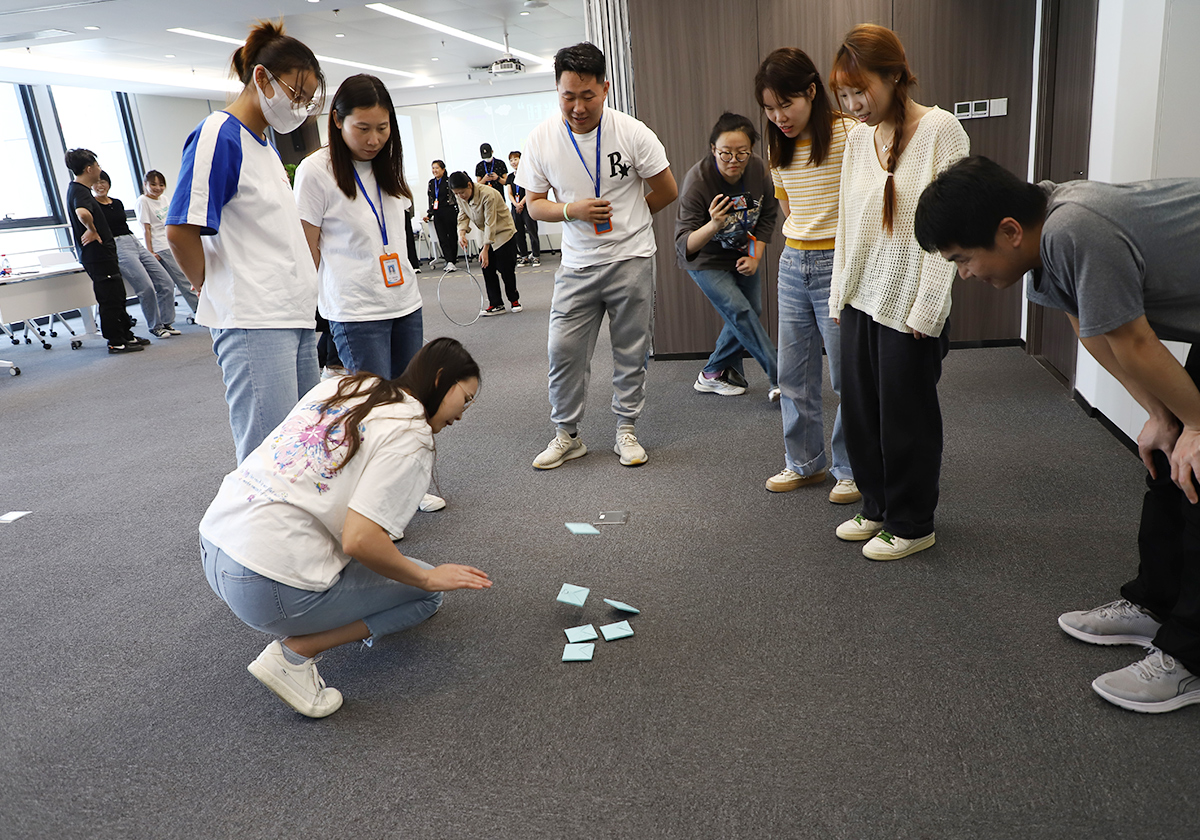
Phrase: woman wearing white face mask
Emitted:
{"points": [[235, 231]]}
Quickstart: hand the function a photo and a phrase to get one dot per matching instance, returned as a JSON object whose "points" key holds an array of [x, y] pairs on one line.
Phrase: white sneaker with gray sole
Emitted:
{"points": [[560, 450]]}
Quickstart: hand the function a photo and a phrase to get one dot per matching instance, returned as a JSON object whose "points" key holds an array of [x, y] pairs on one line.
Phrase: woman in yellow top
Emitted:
{"points": [[805, 139]]}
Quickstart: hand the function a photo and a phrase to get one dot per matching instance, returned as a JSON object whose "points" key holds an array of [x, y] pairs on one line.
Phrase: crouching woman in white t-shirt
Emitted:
{"points": [[298, 541]]}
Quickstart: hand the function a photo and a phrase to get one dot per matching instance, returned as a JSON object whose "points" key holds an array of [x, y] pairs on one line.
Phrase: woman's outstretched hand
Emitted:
{"points": [[449, 576]]}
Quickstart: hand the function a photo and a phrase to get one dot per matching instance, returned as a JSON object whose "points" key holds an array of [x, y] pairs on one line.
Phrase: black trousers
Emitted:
{"points": [[410, 240], [109, 288], [502, 262], [526, 223], [892, 421], [446, 225], [1168, 579]]}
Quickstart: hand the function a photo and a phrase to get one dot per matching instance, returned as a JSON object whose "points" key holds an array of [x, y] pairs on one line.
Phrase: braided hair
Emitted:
{"points": [[869, 48]]}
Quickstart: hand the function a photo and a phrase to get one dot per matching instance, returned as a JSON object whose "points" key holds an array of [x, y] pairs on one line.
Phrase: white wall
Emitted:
{"points": [[163, 125], [1144, 125]]}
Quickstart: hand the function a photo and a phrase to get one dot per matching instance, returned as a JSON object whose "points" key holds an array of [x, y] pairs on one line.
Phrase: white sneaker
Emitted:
{"points": [[1157, 683], [562, 448], [451, 267], [858, 528], [627, 446], [845, 492], [721, 385], [774, 394], [887, 546], [300, 686], [1120, 622], [430, 503]]}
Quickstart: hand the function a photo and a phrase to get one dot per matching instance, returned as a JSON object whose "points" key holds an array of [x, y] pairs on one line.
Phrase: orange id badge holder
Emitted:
{"points": [[603, 227], [392, 276], [755, 247]]}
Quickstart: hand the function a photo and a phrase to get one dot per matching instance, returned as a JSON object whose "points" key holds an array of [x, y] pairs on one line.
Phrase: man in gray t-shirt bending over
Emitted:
{"points": [[1123, 261]]}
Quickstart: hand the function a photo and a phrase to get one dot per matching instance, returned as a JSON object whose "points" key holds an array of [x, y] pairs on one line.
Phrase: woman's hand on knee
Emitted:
{"points": [[449, 576]]}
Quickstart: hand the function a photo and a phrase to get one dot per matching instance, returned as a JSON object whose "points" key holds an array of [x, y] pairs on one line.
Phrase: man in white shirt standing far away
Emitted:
{"points": [[599, 163]]}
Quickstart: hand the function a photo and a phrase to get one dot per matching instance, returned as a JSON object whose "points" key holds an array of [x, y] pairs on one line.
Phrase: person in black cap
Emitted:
{"points": [[490, 171]]}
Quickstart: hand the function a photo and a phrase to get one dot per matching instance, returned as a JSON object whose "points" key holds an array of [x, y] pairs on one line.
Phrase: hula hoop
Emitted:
{"points": [[482, 299]]}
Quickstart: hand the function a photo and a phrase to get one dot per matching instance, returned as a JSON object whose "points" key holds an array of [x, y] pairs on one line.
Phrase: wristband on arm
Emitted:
{"points": [[566, 218]]}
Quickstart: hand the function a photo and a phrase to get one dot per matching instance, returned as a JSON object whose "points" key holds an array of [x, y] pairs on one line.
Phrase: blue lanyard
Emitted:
{"points": [[490, 166], [571, 134], [437, 188], [378, 216]]}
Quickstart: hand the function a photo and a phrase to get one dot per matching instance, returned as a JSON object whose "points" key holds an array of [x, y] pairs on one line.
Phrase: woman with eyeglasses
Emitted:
{"points": [[235, 231], [726, 216], [299, 540]]}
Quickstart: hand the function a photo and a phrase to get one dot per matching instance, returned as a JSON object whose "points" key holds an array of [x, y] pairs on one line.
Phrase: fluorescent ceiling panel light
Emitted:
{"points": [[34, 36], [455, 33], [56, 7], [323, 58]]}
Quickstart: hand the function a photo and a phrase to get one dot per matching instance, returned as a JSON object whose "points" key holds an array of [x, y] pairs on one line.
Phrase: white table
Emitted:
{"points": [[25, 297]]}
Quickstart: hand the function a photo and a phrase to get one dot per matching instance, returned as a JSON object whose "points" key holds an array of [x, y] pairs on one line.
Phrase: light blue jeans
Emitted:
{"points": [[167, 261], [738, 300], [266, 372], [383, 347], [804, 324], [386, 606], [149, 281]]}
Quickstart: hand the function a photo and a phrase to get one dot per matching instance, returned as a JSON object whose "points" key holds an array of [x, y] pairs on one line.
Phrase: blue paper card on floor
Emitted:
{"points": [[581, 528], [578, 653], [620, 630], [583, 633], [573, 595], [621, 605]]}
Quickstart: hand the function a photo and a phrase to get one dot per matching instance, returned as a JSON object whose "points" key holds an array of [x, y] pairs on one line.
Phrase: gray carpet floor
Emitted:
{"points": [[778, 685]]}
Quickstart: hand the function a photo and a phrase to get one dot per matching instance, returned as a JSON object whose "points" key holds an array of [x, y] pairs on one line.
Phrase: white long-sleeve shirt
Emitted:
{"points": [[890, 277]]}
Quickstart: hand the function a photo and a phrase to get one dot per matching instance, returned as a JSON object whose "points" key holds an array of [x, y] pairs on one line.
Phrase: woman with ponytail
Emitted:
{"points": [[892, 298], [805, 144], [234, 230], [298, 542]]}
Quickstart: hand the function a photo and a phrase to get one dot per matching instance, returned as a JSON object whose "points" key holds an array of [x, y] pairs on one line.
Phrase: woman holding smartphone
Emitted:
{"points": [[234, 230], [892, 297]]}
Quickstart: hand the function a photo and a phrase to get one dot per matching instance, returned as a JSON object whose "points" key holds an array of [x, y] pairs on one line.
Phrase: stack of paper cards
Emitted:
{"points": [[573, 595], [612, 517], [584, 633], [620, 630], [578, 653]]}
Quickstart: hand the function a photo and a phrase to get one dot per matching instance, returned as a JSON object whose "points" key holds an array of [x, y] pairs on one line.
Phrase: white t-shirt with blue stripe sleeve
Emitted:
{"points": [[258, 271]]}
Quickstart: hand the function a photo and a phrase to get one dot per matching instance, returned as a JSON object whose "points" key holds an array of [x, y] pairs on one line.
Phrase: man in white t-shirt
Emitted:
{"points": [[599, 163]]}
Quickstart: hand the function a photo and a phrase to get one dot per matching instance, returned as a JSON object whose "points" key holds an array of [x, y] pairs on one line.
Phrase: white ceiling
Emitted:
{"points": [[128, 51]]}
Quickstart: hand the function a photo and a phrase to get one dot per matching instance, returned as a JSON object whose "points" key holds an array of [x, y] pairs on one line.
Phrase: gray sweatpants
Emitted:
{"points": [[582, 296]]}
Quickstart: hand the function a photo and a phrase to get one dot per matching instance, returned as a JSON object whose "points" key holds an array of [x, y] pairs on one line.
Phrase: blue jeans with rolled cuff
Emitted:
{"points": [[358, 594]]}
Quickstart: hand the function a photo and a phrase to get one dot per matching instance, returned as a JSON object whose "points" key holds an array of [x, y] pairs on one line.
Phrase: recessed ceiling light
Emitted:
{"points": [[457, 33], [340, 35], [435, 58], [91, 28], [169, 55], [227, 40], [524, 13]]}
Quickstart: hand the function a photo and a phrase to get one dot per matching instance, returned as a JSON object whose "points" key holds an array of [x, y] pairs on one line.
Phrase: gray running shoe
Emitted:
{"points": [[1156, 684], [1118, 623]]}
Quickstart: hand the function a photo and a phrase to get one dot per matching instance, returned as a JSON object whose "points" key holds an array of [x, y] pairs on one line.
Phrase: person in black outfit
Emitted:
{"points": [[521, 217], [489, 170], [443, 209], [98, 253], [411, 241]]}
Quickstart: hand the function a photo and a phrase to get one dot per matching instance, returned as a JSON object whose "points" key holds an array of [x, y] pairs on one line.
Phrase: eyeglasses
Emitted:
{"points": [[467, 398], [727, 156], [297, 97]]}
